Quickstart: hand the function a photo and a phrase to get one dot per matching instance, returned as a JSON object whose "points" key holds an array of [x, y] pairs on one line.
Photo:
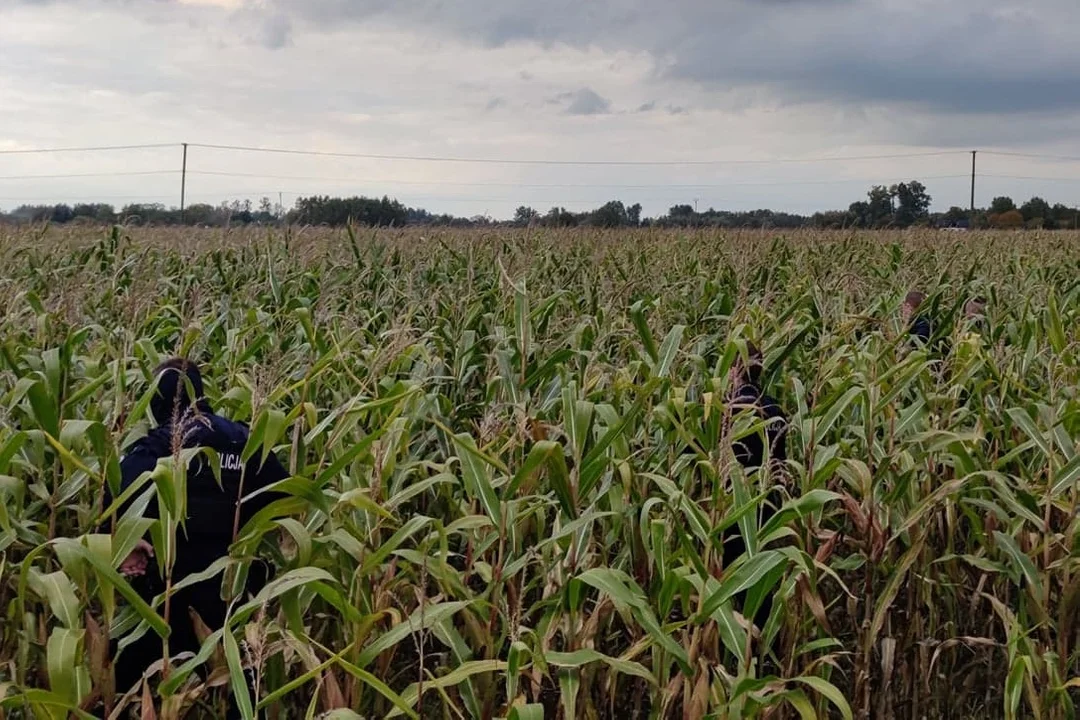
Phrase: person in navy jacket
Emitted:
{"points": [[214, 511], [919, 324], [750, 451]]}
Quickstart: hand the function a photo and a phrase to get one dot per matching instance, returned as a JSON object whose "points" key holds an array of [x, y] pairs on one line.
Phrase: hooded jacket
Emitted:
{"points": [[207, 531], [750, 451]]}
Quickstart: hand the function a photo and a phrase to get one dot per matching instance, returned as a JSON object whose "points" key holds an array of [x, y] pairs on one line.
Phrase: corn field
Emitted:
{"points": [[512, 476]]}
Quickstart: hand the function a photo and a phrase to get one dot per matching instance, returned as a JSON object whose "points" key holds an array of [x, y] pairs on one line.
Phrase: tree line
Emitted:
{"points": [[898, 206]]}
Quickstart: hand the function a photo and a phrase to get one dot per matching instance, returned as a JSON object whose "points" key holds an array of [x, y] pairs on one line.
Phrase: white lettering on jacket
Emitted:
{"points": [[231, 461]]}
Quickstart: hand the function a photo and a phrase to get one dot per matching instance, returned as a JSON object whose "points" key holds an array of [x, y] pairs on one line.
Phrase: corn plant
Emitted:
{"points": [[512, 479]]}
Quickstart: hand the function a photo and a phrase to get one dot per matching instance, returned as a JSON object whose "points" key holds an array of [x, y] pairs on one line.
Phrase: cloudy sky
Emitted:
{"points": [[769, 92]]}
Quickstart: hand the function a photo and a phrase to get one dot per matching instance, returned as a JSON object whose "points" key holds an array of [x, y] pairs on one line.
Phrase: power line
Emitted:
{"points": [[160, 196], [1030, 177], [508, 161], [94, 148], [391, 181], [520, 161], [1033, 156], [90, 175]]}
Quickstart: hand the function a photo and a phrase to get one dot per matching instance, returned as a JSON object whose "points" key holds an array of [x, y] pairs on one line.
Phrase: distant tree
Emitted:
{"points": [[1001, 205], [525, 216], [1036, 207], [32, 213], [830, 219], [1008, 220], [61, 214], [879, 207], [912, 203], [265, 213], [321, 209], [100, 212], [859, 214], [1064, 217], [148, 214], [205, 214], [239, 211], [560, 217], [900, 205], [1037, 212], [954, 217], [610, 215], [681, 216]]}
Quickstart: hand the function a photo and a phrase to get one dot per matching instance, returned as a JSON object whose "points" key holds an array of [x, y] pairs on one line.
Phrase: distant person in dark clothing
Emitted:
{"points": [[214, 511], [750, 450], [918, 324], [750, 453]]}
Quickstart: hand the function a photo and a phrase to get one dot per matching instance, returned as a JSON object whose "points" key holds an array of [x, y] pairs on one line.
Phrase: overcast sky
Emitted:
{"points": [[568, 80]]}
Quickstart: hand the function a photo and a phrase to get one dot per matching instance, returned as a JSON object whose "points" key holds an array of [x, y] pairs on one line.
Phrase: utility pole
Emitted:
{"points": [[973, 183], [183, 182]]}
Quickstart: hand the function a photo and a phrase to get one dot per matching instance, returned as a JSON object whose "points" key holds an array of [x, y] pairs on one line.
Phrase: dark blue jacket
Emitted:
{"points": [[921, 328], [750, 451], [211, 508]]}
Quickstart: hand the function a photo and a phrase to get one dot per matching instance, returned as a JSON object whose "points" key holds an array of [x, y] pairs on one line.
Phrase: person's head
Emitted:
{"points": [[171, 396], [749, 368], [975, 307], [912, 301]]}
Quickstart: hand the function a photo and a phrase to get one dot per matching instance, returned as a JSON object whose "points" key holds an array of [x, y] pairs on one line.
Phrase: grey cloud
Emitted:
{"points": [[276, 32], [495, 103], [957, 130], [585, 102], [670, 109], [271, 30], [967, 56], [798, 2], [974, 62]]}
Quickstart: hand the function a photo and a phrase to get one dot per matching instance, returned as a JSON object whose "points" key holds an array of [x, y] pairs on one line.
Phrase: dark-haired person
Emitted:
{"points": [[184, 419], [750, 451], [918, 324]]}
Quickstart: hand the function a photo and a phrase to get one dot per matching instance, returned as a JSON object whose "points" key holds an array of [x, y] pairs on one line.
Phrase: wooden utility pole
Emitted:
{"points": [[183, 182], [973, 182]]}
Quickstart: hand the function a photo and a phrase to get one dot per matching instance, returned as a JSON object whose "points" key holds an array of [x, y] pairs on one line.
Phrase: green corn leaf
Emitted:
{"points": [[739, 578], [1021, 562], [450, 679], [476, 476], [668, 350], [432, 614], [60, 592], [580, 658], [237, 680], [68, 677], [830, 692]]}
